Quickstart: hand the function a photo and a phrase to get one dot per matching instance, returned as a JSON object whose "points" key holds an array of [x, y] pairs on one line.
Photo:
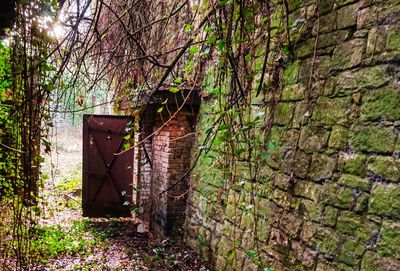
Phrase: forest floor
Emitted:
{"points": [[67, 241]]}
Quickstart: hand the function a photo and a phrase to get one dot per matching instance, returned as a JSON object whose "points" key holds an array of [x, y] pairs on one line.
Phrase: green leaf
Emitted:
{"points": [[211, 39], [251, 253], [194, 49], [221, 44], [178, 80], [224, 127], [127, 137], [265, 154], [160, 110], [174, 89], [187, 27]]}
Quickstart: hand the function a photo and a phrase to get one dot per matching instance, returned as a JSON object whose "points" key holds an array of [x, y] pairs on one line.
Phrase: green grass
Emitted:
{"points": [[80, 238]]}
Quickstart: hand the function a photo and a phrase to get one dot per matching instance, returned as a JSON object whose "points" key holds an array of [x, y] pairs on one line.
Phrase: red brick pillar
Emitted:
{"points": [[171, 160]]}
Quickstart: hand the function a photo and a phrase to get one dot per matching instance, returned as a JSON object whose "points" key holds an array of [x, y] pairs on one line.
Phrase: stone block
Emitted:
{"points": [[313, 139], [367, 78], [326, 6], [310, 210], [351, 251], [330, 216], [347, 16], [354, 182], [263, 229], [327, 23], [337, 196], [329, 39], [327, 241], [373, 262], [291, 73], [357, 226], [331, 111], [309, 190], [283, 113], [376, 42], [319, 67], [373, 139], [389, 242], [293, 92], [322, 167], [282, 181], [381, 104], [384, 167], [393, 40], [282, 199], [355, 164], [304, 255], [367, 17], [348, 55], [279, 241], [220, 263], [297, 163], [385, 200], [291, 224], [339, 137], [341, 3], [362, 203]]}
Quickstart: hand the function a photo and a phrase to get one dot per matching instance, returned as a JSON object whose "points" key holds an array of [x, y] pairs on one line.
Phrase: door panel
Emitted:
{"points": [[107, 175]]}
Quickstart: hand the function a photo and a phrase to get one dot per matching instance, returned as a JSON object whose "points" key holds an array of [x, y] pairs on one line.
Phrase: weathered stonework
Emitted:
{"points": [[329, 198]]}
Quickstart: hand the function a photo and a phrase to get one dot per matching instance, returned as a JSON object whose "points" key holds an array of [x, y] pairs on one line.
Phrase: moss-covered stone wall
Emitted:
{"points": [[330, 195]]}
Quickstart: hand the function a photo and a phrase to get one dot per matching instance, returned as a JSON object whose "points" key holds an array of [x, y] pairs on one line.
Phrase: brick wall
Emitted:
{"points": [[171, 155], [163, 187], [330, 198]]}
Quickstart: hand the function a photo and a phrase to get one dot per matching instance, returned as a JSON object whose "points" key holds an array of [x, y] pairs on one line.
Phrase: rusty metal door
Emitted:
{"points": [[107, 175]]}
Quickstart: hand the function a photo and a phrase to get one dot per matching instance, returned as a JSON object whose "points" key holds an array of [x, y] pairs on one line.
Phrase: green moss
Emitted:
{"points": [[339, 137], [381, 104], [331, 215], [283, 113], [356, 225], [293, 92], [308, 190], [328, 241], [344, 2], [337, 196], [310, 210], [366, 78], [313, 139], [354, 182], [291, 73], [372, 262], [362, 203], [385, 167], [331, 111], [351, 252], [294, 4], [297, 163], [322, 167], [353, 164], [393, 40], [348, 54], [385, 200], [389, 243], [373, 139]]}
